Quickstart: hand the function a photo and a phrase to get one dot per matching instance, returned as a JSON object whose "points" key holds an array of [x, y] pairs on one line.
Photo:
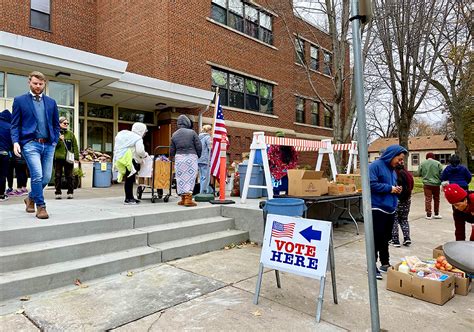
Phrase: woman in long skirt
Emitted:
{"points": [[186, 148]]}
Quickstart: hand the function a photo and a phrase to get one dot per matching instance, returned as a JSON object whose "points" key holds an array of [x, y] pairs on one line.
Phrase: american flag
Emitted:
{"points": [[283, 230], [218, 130]]}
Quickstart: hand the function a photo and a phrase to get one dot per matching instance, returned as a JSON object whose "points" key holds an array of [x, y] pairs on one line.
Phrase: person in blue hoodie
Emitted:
{"points": [[384, 191], [6, 148]]}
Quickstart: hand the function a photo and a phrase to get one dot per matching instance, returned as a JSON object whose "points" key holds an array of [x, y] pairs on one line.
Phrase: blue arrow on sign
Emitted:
{"points": [[310, 234]]}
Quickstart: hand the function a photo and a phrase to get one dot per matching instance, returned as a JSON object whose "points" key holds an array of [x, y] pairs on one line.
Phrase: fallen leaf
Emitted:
{"points": [[20, 311], [130, 274], [226, 248], [257, 313], [77, 282], [25, 298]]}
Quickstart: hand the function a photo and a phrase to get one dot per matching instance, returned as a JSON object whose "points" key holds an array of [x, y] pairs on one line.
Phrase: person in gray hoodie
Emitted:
{"points": [[203, 161], [186, 148]]}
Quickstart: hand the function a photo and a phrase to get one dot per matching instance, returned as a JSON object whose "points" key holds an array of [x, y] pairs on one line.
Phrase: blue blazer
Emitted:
{"points": [[24, 123]]}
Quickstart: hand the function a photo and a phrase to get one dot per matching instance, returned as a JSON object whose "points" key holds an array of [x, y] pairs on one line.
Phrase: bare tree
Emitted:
{"points": [[404, 31], [455, 74]]}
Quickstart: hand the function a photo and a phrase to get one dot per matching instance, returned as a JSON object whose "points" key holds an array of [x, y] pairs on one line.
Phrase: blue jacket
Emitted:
{"points": [[5, 139], [382, 178], [24, 122], [457, 174]]}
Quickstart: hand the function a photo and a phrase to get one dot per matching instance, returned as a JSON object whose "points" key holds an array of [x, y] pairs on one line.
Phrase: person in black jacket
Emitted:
{"points": [[406, 181], [6, 148]]}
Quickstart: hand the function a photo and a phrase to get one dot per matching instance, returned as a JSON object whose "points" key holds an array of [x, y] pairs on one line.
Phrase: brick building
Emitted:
{"points": [[111, 63]]}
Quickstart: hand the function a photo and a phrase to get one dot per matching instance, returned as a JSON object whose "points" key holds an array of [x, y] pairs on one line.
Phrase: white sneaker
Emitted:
{"points": [[437, 216], [57, 196], [428, 217]]}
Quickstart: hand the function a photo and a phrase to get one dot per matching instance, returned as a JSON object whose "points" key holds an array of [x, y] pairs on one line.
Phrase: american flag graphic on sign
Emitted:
{"points": [[218, 130], [282, 230]]}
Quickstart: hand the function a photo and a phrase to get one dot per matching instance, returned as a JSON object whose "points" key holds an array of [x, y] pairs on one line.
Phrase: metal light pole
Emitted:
{"points": [[363, 153]]}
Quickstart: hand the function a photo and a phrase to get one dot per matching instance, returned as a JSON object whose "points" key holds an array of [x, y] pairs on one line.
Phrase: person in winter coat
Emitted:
{"points": [[204, 160], [384, 191], [67, 142], [406, 181], [463, 202], [430, 170], [6, 148], [456, 173], [129, 152], [186, 148]]}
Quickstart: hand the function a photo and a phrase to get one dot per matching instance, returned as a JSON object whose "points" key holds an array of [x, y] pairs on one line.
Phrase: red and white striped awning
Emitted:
{"points": [[303, 144]]}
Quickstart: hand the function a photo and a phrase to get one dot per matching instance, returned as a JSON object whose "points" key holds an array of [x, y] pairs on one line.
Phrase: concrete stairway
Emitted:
{"points": [[45, 257]]}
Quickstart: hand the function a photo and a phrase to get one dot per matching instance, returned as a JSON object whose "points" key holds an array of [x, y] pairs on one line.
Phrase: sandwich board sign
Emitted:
{"points": [[299, 246]]}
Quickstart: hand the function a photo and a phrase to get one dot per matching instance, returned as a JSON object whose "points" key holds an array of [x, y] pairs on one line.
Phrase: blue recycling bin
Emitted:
{"points": [[102, 178], [256, 178], [293, 207]]}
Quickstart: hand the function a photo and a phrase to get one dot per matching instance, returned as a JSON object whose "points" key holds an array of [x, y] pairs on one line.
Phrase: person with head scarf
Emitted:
{"points": [[6, 148], [430, 171], [129, 152], [384, 194], [67, 143], [463, 203], [186, 148], [204, 159]]}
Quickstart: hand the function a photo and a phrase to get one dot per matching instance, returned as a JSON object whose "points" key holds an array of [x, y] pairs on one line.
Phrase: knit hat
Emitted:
{"points": [[430, 155], [454, 193]]}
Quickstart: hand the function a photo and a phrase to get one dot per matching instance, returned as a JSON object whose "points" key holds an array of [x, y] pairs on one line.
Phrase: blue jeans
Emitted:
{"points": [[204, 177], [39, 158]]}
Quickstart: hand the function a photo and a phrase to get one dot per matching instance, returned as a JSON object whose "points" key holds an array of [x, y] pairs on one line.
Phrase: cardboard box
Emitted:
{"points": [[306, 183], [349, 179], [437, 292], [462, 285], [438, 251], [341, 189]]}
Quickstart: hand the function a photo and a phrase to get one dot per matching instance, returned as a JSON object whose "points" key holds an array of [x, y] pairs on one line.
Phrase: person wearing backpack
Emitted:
{"points": [[67, 143], [406, 181]]}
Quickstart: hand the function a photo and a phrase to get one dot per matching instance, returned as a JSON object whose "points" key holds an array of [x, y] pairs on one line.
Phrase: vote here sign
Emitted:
{"points": [[296, 245]]}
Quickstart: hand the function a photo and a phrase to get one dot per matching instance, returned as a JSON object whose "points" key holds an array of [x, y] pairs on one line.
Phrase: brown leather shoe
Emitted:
{"points": [[41, 213], [188, 200], [30, 205], [182, 200]]}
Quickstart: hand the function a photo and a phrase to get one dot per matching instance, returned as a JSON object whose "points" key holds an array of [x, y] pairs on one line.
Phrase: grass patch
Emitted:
{"points": [[418, 187]]}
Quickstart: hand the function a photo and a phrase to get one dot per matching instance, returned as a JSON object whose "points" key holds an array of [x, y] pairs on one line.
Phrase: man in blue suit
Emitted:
{"points": [[35, 133]]}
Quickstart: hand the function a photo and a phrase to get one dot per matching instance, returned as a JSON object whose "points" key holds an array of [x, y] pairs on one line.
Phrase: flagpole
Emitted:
{"points": [[216, 106]]}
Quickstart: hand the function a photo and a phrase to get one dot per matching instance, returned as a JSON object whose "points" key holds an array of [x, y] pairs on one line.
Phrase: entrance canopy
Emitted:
{"points": [[98, 76]]}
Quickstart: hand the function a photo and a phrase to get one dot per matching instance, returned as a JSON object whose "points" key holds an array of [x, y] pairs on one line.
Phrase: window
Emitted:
{"points": [[40, 17], [126, 114], [244, 18], [2, 84], [242, 92], [327, 63], [314, 62], [442, 158], [100, 111], [63, 93], [299, 110], [16, 85], [415, 159], [327, 118], [315, 113], [299, 49]]}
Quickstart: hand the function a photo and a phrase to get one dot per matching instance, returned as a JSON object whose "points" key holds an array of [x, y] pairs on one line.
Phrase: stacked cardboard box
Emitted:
{"points": [[335, 189], [462, 284], [434, 291], [306, 183], [349, 179]]}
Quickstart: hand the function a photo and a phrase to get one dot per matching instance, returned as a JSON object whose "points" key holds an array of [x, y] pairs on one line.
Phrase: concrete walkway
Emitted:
{"points": [[214, 291]]}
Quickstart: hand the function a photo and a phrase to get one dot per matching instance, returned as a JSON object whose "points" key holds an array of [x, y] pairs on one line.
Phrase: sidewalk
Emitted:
{"points": [[214, 291]]}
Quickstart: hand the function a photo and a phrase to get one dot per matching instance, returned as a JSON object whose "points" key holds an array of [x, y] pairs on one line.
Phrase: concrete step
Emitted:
{"points": [[199, 244], [183, 229], [204, 211], [26, 282], [27, 256]]}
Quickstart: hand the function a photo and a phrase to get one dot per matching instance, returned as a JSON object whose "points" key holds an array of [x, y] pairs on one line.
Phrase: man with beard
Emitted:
{"points": [[35, 133]]}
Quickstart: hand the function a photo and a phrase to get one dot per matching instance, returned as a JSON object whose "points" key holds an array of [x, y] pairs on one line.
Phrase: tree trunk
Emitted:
{"points": [[461, 149]]}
